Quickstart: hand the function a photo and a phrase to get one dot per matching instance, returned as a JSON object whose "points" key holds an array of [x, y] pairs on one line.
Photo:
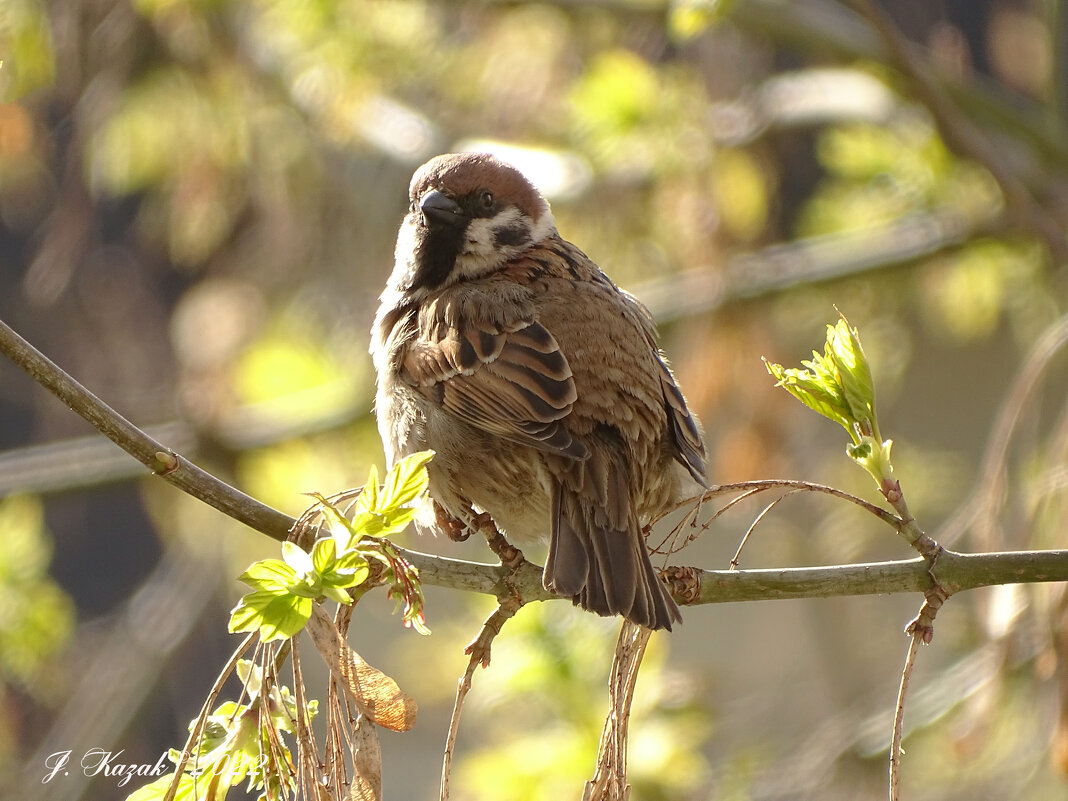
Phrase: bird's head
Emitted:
{"points": [[469, 213]]}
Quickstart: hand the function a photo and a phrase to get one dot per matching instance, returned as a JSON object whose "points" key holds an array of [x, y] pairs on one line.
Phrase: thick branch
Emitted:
{"points": [[956, 572], [155, 456]]}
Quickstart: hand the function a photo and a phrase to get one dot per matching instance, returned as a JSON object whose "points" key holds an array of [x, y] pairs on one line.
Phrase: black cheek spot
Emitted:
{"points": [[510, 236]]}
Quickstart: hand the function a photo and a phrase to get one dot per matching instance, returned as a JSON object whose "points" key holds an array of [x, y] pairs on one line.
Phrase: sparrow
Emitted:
{"points": [[537, 382]]}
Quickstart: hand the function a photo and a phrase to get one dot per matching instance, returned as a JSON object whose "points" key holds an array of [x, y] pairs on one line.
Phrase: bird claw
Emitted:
{"points": [[479, 648], [455, 529], [510, 556]]}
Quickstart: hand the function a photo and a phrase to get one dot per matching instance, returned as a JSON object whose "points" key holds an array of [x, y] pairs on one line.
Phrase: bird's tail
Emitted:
{"points": [[599, 559]]}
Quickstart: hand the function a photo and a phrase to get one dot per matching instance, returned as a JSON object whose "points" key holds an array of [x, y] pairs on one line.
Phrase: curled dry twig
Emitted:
{"points": [[899, 717], [609, 782], [748, 489], [735, 560]]}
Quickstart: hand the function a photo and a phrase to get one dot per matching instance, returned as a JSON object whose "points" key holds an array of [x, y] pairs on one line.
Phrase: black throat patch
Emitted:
{"points": [[435, 255]]}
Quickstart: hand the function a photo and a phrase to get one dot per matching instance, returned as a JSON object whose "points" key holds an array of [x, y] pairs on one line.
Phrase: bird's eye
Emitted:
{"points": [[486, 199]]}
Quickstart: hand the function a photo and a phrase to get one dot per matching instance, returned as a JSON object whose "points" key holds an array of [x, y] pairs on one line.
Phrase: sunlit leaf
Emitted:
{"points": [[838, 384], [297, 558], [335, 593], [276, 617], [270, 575], [349, 571], [407, 481], [323, 554]]}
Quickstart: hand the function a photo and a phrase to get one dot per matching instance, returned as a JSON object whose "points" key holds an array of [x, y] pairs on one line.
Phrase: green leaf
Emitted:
{"points": [[379, 513], [310, 586], [278, 617], [324, 554], [337, 594], [269, 575], [838, 384], [297, 558], [368, 499], [859, 452], [407, 481], [854, 372], [351, 566], [340, 527], [383, 524], [813, 388], [346, 577]]}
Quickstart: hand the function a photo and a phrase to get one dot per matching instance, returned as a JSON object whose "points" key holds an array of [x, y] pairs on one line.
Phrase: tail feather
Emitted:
{"points": [[605, 569], [613, 562], [568, 565]]}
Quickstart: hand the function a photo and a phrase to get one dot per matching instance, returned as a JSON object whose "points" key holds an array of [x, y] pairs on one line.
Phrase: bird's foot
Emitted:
{"points": [[479, 648], [455, 529], [510, 556]]}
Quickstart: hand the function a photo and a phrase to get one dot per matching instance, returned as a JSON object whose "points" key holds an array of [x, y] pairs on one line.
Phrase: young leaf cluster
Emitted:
{"points": [[838, 384], [283, 590]]}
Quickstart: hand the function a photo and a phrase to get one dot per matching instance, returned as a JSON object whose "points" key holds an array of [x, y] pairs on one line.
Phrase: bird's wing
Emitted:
{"points": [[684, 431], [506, 376]]}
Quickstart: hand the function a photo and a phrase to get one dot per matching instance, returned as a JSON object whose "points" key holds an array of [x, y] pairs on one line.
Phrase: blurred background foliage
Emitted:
{"points": [[198, 201]]}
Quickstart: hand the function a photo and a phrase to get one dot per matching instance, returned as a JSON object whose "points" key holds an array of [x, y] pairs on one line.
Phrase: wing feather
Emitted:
{"points": [[514, 383], [684, 431]]}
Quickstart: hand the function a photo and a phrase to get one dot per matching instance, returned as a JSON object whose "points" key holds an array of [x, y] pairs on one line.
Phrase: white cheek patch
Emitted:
{"points": [[491, 241], [482, 253], [544, 227], [480, 232]]}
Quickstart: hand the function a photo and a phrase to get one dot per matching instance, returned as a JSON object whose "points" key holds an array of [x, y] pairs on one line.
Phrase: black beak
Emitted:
{"points": [[440, 210]]}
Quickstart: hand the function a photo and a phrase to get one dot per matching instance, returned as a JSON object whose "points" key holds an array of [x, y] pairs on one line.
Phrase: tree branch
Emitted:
{"points": [[692, 586], [155, 456]]}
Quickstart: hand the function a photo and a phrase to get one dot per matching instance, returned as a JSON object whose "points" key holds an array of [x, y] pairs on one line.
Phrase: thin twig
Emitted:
{"points": [[899, 717], [193, 743], [308, 759], [752, 527], [762, 485], [609, 782], [479, 653], [690, 519]]}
